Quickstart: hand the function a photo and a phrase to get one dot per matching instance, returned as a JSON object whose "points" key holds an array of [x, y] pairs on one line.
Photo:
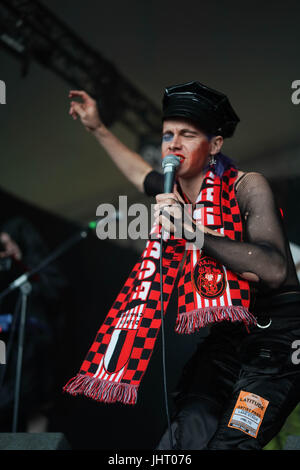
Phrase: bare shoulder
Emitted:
{"points": [[238, 178], [240, 173]]}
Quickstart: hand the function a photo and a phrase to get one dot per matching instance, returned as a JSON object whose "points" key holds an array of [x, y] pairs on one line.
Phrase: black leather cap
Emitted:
{"points": [[208, 108]]}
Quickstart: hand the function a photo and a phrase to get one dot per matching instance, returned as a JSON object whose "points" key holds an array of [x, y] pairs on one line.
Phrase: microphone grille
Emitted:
{"points": [[171, 160]]}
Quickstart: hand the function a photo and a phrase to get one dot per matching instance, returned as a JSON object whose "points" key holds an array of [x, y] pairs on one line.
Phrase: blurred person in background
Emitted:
{"points": [[22, 249]]}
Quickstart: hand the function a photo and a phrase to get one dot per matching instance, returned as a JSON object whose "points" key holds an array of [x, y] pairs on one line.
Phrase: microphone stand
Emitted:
{"points": [[25, 291], [22, 283]]}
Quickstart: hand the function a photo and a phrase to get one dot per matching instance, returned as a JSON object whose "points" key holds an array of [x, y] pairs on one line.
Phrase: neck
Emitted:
{"points": [[191, 186]]}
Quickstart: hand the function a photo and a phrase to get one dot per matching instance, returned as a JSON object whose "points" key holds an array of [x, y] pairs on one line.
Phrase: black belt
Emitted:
{"points": [[262, 306], [278, 299]]}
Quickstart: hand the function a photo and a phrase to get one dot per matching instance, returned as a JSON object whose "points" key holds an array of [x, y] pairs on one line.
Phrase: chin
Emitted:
{"points": [[185, 176]]}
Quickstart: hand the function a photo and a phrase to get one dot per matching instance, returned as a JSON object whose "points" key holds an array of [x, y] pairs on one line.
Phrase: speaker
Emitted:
{"points": [[33, 441], [292, 443]]}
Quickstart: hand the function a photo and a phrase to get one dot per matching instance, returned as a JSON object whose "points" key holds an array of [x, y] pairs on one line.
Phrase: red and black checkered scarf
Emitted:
{"points": [[207, 293]]}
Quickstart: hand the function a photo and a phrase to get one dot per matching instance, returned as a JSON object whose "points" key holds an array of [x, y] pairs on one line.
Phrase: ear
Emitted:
{"points": [[216, 144]]}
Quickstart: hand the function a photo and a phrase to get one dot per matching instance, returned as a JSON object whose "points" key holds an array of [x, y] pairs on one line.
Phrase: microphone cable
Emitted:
{"points": [[169, 164], [163, 340]]}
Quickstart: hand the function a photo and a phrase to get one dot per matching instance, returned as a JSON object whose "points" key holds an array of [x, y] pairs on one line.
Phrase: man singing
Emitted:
{"points": [[241, 384]]}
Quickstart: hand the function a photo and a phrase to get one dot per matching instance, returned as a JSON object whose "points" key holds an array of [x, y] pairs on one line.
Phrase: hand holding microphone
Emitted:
{"points": [[169, 200], [171, 211], [170, 164]]}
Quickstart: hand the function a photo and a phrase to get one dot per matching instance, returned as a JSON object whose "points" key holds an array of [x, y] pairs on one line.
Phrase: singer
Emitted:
{"points": [[241, 384]]}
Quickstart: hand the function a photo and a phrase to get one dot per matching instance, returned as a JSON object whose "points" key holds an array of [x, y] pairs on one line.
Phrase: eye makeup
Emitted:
{"points": [[167, 137]]}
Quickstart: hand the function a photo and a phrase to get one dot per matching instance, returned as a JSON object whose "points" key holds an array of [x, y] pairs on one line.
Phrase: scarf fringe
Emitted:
{"points": [[192, 321], [101, 390]]}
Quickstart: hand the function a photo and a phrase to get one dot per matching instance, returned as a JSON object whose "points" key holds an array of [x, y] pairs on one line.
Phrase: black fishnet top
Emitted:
{"points": [[265, 250]]}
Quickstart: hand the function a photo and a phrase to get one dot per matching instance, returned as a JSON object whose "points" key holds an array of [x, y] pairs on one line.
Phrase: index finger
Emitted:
{"points": [[81, 93], [163, 196]]}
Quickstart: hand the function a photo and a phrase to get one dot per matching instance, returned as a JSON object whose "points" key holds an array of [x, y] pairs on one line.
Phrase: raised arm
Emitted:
{"points": [[130, 163]]}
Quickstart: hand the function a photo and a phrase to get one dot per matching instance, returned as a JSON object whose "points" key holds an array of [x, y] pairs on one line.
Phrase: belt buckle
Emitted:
{"points": [[264, 326]]}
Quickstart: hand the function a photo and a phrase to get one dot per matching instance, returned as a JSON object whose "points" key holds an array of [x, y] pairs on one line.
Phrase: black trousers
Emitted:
{"points": [[263, 362]]}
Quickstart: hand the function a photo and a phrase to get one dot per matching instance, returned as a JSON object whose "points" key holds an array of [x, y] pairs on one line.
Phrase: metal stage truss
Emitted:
{"points": [[32, 32]]}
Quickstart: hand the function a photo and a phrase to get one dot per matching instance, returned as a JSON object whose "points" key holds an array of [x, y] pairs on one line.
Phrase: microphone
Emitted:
{"points": [[169, 165]]}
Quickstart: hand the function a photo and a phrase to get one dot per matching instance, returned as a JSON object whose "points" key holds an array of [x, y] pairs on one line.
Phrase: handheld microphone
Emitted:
{"points": [[169, 165]]}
